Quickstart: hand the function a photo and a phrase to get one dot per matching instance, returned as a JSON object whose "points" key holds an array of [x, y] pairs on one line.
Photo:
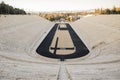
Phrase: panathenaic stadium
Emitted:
{"points": [[33, 48]]}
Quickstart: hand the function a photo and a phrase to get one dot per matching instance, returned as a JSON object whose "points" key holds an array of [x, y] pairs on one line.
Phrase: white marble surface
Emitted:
{"points": [[21, 35]]}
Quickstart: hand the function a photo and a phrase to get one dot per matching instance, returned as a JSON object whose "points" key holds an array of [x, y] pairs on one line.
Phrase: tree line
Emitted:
{"points": [[7, 9], [60, 16], [114, 10]]}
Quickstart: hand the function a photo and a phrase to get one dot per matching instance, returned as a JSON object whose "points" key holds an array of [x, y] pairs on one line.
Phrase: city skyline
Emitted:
{"points": [[61, 5]]}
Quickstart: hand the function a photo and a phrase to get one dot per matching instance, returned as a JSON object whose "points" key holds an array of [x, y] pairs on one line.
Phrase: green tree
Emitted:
{"points": [[6, 9], [114, 10], [108, 11]]}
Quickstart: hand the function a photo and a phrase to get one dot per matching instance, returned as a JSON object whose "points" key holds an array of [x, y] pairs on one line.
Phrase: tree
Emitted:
{"points": [[108, 11], [6, 9], [114, 10]]}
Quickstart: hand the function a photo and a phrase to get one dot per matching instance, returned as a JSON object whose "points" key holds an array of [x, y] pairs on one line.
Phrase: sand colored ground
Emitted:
{"points": [[64, 41]]}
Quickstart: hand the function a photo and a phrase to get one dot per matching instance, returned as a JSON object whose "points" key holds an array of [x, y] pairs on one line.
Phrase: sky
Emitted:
{"points": [[61, 5]]}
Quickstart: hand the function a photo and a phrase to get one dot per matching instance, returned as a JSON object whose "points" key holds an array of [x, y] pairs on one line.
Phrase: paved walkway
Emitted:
{"points": [[63, 73]]}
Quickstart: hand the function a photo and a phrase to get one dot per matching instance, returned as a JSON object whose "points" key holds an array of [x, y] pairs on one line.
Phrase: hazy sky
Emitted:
{"points": [[64, 5]]}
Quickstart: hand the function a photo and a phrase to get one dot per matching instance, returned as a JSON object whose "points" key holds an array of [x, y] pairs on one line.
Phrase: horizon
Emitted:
{"points": [[61, 5]]}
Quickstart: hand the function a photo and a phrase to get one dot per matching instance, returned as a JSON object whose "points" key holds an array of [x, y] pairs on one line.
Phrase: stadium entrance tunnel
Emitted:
{"points": [[62, 43]]}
